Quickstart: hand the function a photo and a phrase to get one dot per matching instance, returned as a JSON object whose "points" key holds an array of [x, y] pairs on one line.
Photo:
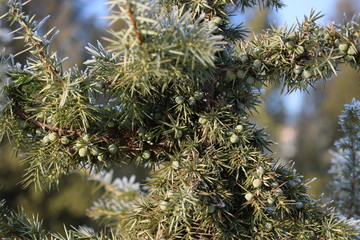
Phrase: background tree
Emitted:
{"points": [[345, 163], [179, 96]]}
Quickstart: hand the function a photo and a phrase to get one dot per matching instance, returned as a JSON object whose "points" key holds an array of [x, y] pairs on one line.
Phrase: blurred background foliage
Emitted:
{"points": [[304, 138]]}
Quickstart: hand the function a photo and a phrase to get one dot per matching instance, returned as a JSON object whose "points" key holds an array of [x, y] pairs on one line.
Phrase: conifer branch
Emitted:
{"points": [[308, 54], [212, 179], [126, 139], [19, 112], [36, 42]]}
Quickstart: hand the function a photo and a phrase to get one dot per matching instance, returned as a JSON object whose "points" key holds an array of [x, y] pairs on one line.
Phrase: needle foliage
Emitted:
{"points": [[180, 83]]}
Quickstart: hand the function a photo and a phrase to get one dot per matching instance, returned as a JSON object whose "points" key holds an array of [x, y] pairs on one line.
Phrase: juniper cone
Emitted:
{"points": [[215, 180]]}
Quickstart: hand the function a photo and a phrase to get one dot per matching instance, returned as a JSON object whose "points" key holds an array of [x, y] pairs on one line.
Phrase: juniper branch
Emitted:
{"points": [[35, 41]]}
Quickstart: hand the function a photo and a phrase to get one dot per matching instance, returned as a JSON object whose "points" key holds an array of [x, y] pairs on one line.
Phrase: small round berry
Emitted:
{"points": [[289, 45], [239, 128], [258, 84], [268, 226], [163, 205], [271, 200], [111, 124], [298, 69], [306, 74], [211, 208], [217, 20], [240, 73], [343, 47], [230, 75], [146, 154], [292, 183], [175, 164], [192, 101], [198, 95], [299, 205], [249, 196], [244, 59], [179, 100], [141, 131], [101, 157], [38, 132], [211, 25], [64, 140], [352, 50], [45, 139], [234, 138], [279, 192], [300, 50], [257, 64], [250, 80], [112, 148], [257, 183], [202, 120], [49, 120], [94, 151], [53, 136], [303, 84], [83, 152], [260, 171]]}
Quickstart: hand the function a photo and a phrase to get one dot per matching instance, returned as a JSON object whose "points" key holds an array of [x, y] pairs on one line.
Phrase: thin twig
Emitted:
{"points": [[133, 21], [36, 45]]}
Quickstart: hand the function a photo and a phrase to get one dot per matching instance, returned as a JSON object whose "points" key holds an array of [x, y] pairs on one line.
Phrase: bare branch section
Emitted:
{"points": [[133, 21]]}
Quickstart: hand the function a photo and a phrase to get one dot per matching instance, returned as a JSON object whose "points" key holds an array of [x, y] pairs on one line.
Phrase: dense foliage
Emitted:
{"points": [[173, 91]]}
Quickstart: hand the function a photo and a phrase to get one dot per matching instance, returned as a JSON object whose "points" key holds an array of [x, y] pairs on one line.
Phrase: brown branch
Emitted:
{"points": [[210, 91], [133, 21], [19, 112], [126, 140], [36, 45]]}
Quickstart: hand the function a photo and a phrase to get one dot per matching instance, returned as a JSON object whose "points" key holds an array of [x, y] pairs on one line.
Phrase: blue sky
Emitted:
{"points": [[298, 8], [294, 9]]}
